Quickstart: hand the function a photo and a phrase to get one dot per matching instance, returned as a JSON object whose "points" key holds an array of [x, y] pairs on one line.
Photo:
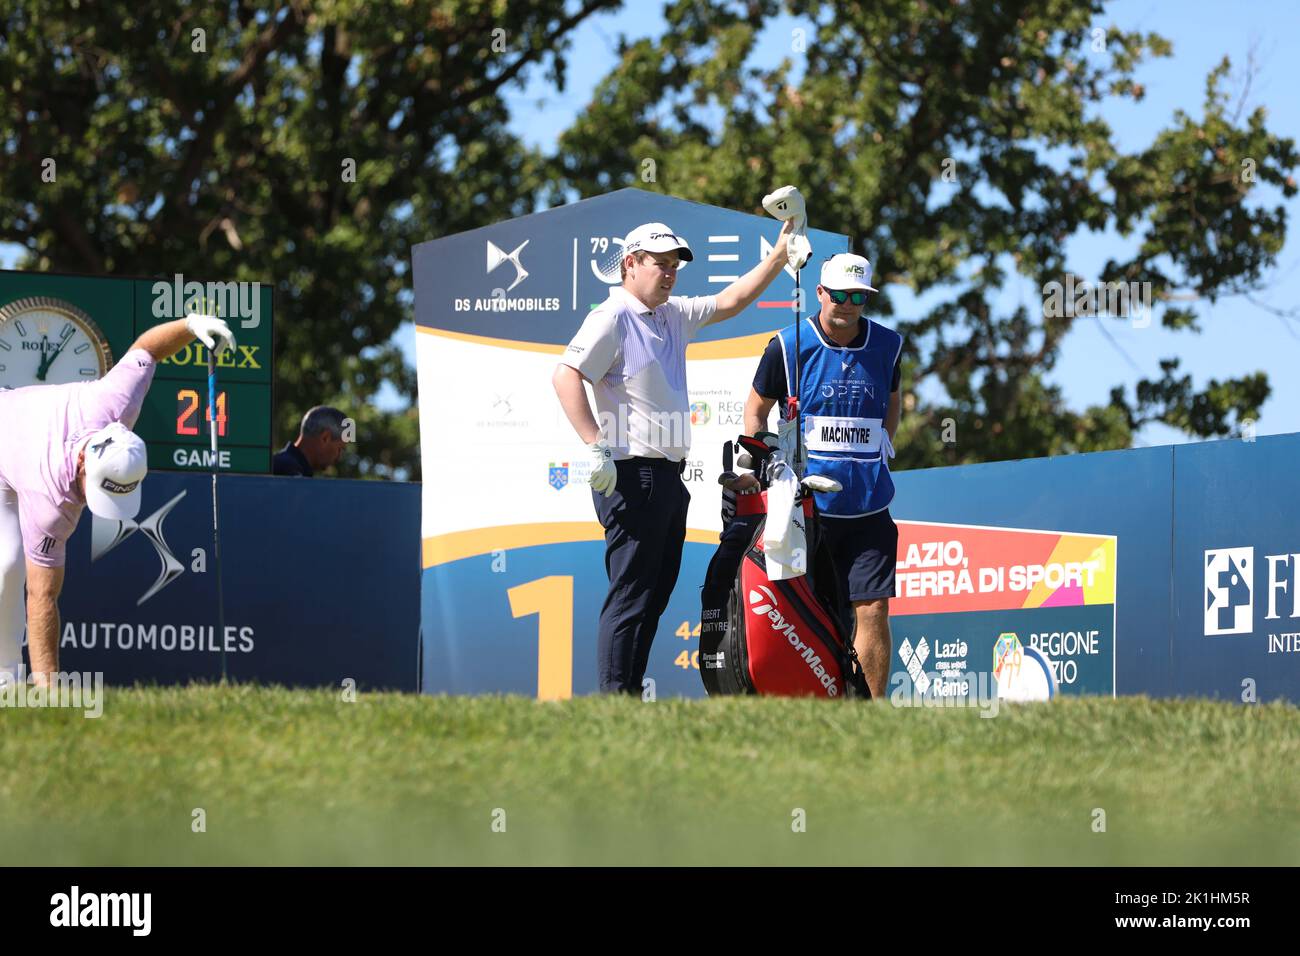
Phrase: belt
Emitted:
{"points": [[677, 466]]}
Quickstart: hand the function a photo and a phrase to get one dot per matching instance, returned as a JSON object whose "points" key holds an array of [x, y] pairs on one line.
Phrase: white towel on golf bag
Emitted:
{"points": [[786, 434], [886, 445], [785, 543]]}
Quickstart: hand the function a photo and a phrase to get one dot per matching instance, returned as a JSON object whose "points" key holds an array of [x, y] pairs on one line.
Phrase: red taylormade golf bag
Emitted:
{"points": [[788, 638]]}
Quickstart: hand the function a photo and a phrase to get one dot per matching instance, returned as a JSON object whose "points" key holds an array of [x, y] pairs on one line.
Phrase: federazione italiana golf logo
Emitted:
{"points": [[568, 474]]}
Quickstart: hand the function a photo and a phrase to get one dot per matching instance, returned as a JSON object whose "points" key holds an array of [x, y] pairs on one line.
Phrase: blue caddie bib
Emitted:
{"points": [[843, 398]]}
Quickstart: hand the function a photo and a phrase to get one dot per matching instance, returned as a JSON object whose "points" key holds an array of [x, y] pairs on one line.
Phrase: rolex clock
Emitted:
{"points": [[46, 341]]}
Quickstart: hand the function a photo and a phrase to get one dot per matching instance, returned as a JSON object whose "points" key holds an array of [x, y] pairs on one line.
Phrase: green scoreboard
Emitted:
{"points": [[56, 329]]}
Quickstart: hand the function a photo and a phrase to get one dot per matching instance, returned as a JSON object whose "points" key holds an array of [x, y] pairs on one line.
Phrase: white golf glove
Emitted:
{"points": [[603, 473], [212, 332], [787, 203]]}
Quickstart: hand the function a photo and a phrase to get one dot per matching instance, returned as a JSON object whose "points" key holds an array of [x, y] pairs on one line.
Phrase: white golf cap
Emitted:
{"points": [[847, 272], [656, 237], [116, 463]]}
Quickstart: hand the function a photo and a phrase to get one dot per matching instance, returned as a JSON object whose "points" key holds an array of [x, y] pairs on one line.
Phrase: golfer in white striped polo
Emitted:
{"points": [[632, 349]]}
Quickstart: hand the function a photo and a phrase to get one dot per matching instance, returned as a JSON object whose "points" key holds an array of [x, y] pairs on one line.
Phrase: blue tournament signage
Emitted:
{"points": [[308, 602], [520, 563], [1067, 560]]}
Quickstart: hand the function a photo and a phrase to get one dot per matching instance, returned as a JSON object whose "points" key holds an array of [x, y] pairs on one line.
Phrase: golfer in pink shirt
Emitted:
{"points": [[63, 448]]}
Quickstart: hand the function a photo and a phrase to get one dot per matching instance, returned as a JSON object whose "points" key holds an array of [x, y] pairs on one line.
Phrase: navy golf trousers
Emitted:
{"points": [[645, 529]]}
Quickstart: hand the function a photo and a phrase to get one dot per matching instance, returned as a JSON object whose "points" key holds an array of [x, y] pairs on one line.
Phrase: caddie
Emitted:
{"points": [[849, 377], [66, 448], [632, 349]]}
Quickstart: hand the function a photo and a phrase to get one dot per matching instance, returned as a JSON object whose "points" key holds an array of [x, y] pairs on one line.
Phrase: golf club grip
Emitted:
{"points": [[212, 400]]}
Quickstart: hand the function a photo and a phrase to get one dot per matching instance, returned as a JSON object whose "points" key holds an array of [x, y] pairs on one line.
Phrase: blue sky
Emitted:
{"points": [[1237, 337]]}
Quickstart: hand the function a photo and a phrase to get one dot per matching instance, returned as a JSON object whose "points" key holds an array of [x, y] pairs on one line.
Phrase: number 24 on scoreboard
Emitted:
{"points": [[187, 412]]}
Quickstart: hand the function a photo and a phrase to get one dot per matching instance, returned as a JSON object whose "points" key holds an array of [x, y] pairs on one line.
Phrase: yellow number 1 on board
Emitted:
{"points": [[551, 599]]}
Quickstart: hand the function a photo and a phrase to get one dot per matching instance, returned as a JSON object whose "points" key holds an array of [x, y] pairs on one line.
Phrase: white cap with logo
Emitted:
{"points": [[116, 463], [656, 237], [847, 272]]}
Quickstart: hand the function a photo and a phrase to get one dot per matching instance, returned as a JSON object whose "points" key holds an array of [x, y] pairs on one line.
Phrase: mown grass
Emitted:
{"points": [[304, 777]]}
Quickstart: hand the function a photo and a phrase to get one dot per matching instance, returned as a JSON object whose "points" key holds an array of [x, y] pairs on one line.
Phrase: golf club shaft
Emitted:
{"points": [[798, 403], [216, 527]]}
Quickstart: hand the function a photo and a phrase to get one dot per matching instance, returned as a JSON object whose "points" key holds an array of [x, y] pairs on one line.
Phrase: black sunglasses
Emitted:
{"points": [[839, 296]]}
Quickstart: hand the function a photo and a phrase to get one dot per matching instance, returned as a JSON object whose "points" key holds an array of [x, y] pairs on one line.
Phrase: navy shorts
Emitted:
{"points": [[865, 551]]}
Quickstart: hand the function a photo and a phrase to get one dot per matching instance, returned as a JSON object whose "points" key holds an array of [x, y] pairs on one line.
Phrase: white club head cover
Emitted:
{"points": [[788, 440], [787, 203], [821, 483]]}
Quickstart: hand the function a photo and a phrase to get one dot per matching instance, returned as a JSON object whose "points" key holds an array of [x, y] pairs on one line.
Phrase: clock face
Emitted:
{"points": [[45, 341]]}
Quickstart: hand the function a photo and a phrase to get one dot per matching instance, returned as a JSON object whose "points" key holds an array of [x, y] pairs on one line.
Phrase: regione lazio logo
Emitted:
{"points": [[496, 256], [105, 535], [1229, 591], [700, 413], [1008, 655], [559, 475]]}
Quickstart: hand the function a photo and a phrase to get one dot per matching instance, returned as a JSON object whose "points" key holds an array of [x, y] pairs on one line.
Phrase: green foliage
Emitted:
{"points": [[1173, 401], [957, 144], [222, 156]]}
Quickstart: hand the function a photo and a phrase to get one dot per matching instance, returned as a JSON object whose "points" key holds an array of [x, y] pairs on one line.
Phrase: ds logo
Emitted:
{"points": [[1229, 591], [105, 535]]}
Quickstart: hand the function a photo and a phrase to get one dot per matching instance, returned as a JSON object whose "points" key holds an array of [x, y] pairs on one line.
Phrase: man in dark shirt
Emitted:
{"points": [[319, 444]]}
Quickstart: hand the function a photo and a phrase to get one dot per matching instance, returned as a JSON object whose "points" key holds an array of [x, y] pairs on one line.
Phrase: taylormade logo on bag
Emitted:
{"points": [[763, 603]]}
